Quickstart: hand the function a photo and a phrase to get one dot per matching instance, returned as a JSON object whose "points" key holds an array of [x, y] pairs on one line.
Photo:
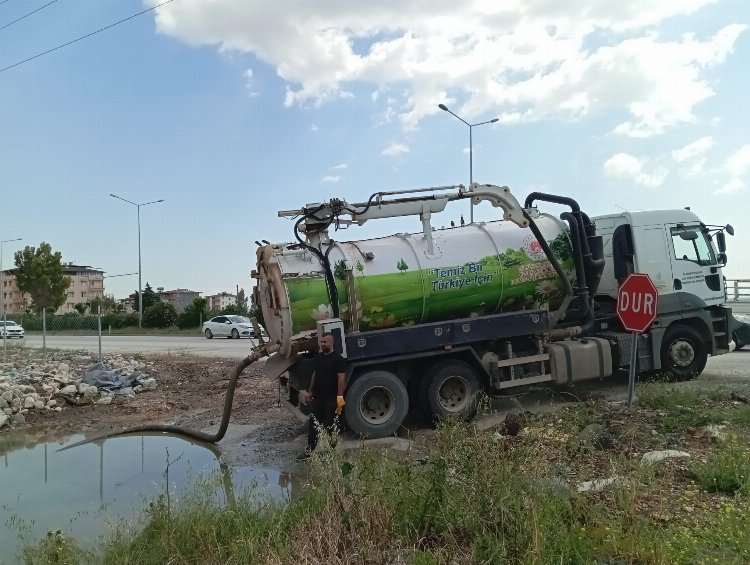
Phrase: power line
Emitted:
{"points": [[27, 15], [3, 1], [84, 36]]}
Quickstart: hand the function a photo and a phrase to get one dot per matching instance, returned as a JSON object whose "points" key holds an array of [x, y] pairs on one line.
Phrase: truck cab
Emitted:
{"points": [[672, 246], [676, 250]]}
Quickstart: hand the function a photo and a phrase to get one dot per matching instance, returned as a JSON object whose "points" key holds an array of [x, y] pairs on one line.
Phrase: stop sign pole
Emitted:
{"points": [[637, 300]]}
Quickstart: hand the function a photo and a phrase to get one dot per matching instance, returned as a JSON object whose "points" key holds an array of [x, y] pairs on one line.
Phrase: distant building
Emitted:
{"points": [[221, 300], [180, 298], [129, 304], [86, 283]]}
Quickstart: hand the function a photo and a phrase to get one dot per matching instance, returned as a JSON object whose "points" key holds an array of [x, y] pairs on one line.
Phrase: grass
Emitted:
{"points": [[727, 470], [477, 498]]}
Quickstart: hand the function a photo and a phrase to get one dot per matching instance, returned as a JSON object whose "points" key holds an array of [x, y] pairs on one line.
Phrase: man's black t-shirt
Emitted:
{"points": [[326, 369]]}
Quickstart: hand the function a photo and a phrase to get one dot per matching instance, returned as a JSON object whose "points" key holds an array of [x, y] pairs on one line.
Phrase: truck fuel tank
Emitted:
{"points": [[580, 360]]}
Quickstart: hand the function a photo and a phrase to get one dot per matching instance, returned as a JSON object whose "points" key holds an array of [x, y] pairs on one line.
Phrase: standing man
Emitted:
{"points": [[326, 391]]}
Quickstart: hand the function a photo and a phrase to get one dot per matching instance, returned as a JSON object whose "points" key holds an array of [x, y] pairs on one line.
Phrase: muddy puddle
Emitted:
{"points": [[88, 490]]}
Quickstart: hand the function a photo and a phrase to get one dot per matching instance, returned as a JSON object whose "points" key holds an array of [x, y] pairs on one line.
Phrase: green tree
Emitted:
{"points": [[107, 303], [159, 315], [360, 267], [149, 298], [242, 303], [39, 272], [81, 308], [402, 266], [195, 313]]}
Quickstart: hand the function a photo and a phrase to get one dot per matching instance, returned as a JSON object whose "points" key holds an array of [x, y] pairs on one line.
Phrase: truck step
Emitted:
{"points": [[524, 381], [523, 360]]}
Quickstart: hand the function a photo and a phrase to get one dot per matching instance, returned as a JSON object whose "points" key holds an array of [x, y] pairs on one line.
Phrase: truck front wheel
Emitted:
{"points": [[450, 388], [376, 404], [683, 353]]}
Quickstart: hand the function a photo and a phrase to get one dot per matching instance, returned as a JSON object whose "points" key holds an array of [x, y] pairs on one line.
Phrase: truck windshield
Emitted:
{"points": [[690, 244]]}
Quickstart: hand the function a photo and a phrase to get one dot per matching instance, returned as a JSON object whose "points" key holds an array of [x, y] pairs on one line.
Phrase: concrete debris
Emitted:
{"points": [[601, 484], [31, 384], [594, 435], [739, 397], [715, 432], [655, 456]]}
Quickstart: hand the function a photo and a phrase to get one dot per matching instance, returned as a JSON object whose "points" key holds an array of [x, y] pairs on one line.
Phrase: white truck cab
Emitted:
{"points": [[672, 246]]}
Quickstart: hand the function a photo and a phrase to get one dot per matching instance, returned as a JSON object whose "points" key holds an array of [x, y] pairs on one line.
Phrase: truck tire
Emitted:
{"points": [[449, 388], [738, 343], [683, 353], [376, 404]]}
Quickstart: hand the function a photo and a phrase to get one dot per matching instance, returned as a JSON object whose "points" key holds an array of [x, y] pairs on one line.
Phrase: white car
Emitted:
{"points": [[229, 326], [10, 329]]}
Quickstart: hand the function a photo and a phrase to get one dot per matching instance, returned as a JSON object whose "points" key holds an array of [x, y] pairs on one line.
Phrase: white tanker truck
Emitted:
{"points": [[430, 319]]}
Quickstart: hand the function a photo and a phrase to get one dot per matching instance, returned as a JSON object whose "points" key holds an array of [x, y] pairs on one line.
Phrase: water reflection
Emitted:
{"points": [[86, 490]]}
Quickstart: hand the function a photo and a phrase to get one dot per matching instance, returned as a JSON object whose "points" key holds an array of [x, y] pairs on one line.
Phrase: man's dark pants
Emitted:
{"points": [[322, 411]]}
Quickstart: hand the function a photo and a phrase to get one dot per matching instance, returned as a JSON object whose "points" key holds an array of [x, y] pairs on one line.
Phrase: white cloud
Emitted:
{"points": [[249, 83], [331, 178], [637, 170], [395, 149], [739, 163], [737, 168], [521, 60], [340, 167], [313, 127], [693, 150]]}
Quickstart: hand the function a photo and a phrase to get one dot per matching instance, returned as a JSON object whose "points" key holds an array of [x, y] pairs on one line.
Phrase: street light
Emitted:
{"points": [[140, 293], [471, 150], [2, 296]]}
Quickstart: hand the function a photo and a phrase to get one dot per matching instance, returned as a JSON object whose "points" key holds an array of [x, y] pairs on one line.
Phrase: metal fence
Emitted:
{"points": [[51, 324], [738, 289]]}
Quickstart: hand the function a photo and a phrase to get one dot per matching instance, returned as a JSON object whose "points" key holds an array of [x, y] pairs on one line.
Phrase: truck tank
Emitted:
{"points": [[473, 270]]}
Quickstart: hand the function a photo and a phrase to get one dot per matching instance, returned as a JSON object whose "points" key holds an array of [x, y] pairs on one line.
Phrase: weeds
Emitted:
{"points": [[480, 497], [725, 471]]}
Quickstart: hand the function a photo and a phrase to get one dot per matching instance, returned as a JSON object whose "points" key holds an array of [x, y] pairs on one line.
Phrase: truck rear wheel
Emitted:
{"points": [[376, 404], [450, 388], [683, 353]]}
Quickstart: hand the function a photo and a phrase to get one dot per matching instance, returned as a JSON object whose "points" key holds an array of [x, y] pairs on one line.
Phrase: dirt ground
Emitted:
{"points": [[191, 392]]}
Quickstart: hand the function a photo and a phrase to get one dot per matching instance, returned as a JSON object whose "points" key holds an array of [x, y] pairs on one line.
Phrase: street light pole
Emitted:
{"points": [[2, 296], [471, 150], [140, 291]]}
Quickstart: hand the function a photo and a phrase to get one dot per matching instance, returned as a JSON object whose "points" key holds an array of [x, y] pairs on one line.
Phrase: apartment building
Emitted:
{"points": [[86, 283], [180, 298], [221, 300]]}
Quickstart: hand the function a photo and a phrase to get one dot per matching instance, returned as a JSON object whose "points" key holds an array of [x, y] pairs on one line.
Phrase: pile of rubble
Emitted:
{"points": [[33, 384]]}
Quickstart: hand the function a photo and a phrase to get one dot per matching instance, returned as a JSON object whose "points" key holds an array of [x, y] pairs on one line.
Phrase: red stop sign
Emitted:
{"points": [[636, 302]]}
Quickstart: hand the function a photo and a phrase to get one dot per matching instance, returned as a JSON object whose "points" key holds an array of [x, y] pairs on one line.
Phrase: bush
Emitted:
{"points": [[119, 321], [159, 315]]}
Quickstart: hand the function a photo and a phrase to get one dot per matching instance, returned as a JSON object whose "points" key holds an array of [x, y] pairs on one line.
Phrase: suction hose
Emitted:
{"points": [[179, 430]]}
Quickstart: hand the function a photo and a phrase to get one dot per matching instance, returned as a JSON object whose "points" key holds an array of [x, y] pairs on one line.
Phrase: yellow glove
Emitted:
{"points": [[339, 404]]}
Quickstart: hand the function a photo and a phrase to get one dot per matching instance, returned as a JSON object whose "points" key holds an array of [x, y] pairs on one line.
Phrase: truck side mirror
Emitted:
{"points": [[722, 259], [721, 242]]}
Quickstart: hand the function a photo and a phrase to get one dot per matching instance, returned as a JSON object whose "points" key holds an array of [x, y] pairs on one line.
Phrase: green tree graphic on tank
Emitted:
{"points": [[393, 281]]}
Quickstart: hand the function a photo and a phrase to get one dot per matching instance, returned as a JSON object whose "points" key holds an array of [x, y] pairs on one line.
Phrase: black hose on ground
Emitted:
{"points": [[179, 430]]}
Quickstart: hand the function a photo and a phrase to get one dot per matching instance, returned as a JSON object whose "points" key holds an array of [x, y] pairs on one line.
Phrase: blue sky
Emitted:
{"points": [[230, 110]]}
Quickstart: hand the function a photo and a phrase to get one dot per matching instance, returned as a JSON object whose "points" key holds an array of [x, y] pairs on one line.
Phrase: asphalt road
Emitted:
{"points": [[198, 345]]}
